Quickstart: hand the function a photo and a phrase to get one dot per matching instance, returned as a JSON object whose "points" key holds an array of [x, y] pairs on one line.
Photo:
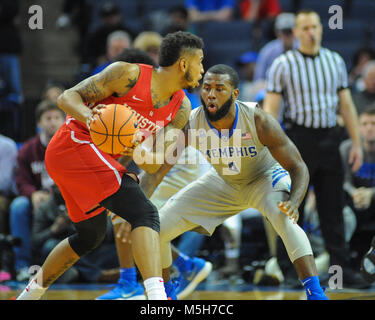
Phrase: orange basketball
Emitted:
{"points": [[113, 129]]}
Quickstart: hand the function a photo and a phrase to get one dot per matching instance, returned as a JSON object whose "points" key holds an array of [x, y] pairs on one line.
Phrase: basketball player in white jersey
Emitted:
{"points": [[255, 165], [193, 165]]}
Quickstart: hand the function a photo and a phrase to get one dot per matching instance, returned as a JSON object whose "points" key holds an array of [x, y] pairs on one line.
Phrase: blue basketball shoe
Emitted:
{"points": [[368, 263], [171, 289], [311, 295], [124, 290], [313, 289], [190, 278]]}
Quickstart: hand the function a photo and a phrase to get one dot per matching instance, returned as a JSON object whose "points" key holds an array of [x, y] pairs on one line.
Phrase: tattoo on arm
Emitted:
{"points": [[183, 114], [179, 122], [107, 82], [131, 82], [110, 74], [89, 91], [133, 76], [157, 104]]}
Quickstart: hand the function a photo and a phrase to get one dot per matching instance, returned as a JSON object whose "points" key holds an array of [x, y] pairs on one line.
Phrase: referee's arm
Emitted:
{"points": [[349, 114], [271, 103], [274, 87]]}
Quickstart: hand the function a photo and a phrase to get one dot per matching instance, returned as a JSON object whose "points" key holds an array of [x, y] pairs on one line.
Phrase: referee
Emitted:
{"points": [[313, 84]]}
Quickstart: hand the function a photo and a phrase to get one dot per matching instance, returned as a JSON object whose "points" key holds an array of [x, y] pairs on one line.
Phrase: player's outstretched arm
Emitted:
{"points": [[118, 77], [286, 153]]}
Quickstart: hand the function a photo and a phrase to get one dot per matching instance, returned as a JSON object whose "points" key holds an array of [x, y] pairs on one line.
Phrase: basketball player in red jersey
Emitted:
{"points": [[92, 181]]}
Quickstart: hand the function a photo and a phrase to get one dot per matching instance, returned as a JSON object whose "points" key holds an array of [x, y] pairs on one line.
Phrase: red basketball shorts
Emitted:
{"points": [[84, 174]]}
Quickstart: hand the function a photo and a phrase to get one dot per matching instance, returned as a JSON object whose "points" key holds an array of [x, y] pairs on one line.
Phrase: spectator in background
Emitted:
{"points": [[178, 15], [10, 74], [117, 41], [210, 10], [178, 21], [360, 58], [171, 28], [367, 96], [163, 19], [253, 10], [111, 20], [259, 97], [8, 160], [77, 13], [52, 224], [33, 183], [246, 65], [135, 55], [285, 41], [149, 41], [52, 90], [360, 185]]}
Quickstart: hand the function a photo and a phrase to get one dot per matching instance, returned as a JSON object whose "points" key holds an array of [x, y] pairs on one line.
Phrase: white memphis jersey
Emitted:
{"points": [[237, 154]]}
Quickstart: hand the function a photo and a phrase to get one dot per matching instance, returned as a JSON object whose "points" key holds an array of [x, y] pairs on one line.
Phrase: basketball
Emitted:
{"points": [[113, 129]]}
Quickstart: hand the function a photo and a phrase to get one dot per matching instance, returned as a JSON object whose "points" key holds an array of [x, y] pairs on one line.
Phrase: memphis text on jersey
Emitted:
{"points": [[223, 146]]}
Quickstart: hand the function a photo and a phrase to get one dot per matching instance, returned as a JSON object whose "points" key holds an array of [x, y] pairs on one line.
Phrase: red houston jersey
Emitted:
{"points": [[139, 100], [87, 175]]}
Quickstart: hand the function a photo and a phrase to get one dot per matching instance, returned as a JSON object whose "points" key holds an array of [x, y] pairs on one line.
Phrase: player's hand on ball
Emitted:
{"points": [[96, 110], [137, 140], [290, 209]]}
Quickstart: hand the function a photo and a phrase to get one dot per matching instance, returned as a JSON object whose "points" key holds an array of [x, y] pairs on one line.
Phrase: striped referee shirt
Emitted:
{"points": [[309, 86]]}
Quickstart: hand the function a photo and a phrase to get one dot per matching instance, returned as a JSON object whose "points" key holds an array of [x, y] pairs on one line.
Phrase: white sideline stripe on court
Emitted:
{"points": [[118, 177]]}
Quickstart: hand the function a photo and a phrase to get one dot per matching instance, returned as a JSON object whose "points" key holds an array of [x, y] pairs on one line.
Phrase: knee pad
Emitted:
{"points": [[131, 204], [90, 234], [148, 216]]}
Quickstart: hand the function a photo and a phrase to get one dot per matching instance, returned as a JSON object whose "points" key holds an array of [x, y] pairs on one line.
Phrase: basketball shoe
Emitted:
{"points": [[171, 289], [368, 263], [315, 295], [124, 290], [191, 275], [313, 289]]}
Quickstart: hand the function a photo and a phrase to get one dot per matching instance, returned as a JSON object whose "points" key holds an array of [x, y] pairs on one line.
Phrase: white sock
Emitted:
{"points": [[155, 288], [33, 291]]}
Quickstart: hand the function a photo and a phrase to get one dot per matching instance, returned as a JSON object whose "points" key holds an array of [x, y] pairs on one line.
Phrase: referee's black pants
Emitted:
{"points": [[319, 149]]}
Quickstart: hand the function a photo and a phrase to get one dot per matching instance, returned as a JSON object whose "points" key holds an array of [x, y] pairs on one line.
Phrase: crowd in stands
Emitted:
{"points": [[31, 207]]}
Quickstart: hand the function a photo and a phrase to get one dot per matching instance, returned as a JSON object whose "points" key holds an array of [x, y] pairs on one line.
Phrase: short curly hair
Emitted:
{"points": [[174, 44], [225, 69]]}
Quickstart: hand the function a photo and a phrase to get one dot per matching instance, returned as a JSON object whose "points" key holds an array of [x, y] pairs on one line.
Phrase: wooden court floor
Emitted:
{"points": [[255, 293]]}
